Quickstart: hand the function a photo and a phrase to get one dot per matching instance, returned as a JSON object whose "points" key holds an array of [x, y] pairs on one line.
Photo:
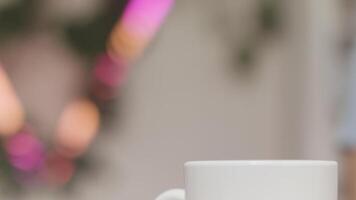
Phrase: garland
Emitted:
{"points": [[27, 160]]}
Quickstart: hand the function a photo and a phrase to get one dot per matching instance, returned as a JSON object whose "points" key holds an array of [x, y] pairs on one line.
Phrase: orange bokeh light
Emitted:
{"points": [[11, 110], [77, 127], [125, 44]]}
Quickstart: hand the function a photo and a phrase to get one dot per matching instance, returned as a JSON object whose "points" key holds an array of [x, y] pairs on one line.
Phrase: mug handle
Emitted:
{"points": [[173, 194]]}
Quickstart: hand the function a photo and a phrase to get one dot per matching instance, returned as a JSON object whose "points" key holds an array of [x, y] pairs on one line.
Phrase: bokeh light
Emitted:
{"points": [[77, 127], [30, 161], [11, 111], [143, 17], [110, 72], [58, 170], [108, 75], [139, 23], [25, 151], [126, 45]]}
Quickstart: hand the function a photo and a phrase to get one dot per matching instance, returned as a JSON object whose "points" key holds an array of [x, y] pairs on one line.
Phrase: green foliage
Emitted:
{"points": [[91, 39], [88, 39], [268, 15], [15, 18], [6, 173], [245, 55], [269, 21]]}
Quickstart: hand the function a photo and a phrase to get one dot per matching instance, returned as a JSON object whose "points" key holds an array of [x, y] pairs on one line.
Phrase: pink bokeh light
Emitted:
{"points": [[110, 72], [25, 151], [144, 17]]}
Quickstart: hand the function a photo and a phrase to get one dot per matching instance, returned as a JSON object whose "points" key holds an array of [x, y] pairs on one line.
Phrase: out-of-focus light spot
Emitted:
{"points": [[25, 151], [110, 72], [58, 170], [139, 23], [77, 127], [125, 44], [11, 111], [144, 17]]}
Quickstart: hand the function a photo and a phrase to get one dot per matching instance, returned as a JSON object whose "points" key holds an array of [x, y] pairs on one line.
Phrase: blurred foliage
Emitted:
{"points": [[15, 18], [6, 174], [268, 21], [245, 55], [268, 15], [87, 38], [90, 39]]}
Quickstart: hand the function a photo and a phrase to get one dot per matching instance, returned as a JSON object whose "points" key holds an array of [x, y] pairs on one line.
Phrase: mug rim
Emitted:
{"points": [[261, 163]]}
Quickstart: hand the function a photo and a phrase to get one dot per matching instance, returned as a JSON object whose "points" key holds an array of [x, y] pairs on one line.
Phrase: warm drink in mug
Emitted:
{"points": [[257, 180]]}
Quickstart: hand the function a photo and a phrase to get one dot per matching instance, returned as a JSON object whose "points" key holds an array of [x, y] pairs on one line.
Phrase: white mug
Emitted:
{"points": [[257, 180]]}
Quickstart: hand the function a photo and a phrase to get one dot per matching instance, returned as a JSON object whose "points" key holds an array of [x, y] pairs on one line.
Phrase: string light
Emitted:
{"points": [[79, 122]]}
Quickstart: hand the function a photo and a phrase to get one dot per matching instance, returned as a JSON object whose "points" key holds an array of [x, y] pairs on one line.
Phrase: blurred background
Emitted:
{"points": [[108, 98]]}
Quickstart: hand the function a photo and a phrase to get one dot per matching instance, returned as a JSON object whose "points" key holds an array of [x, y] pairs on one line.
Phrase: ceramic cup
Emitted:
{"points": [[257, 180]]}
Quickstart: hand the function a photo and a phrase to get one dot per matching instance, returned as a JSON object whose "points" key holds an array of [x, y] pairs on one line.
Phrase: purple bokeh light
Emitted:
{"points": [[110, 72], [25, 151]]}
